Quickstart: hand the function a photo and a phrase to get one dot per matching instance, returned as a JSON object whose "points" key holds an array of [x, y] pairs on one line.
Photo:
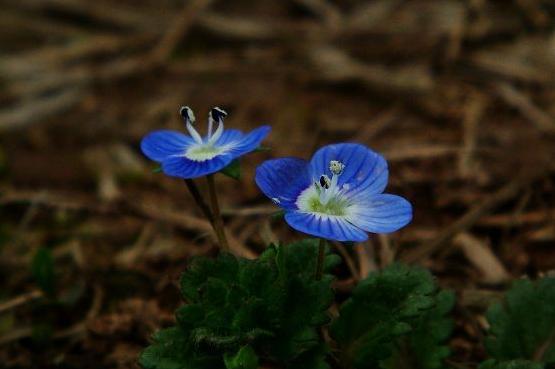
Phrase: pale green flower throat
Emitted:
{"points": [[325, 196]]}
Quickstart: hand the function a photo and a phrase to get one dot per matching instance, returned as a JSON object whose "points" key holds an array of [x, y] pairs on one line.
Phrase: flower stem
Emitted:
{"points": [[193, 189], [218, 223], [320, 261]]}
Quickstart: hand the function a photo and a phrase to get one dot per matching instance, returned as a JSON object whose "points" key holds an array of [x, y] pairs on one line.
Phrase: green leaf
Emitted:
{"points": [[383, 307], [423, 347], [312, 359], [272, 305], [42, 269], [262, 149], [278, 215], [245, 358], [157, 170], [233, 170], [512, 364], [172, 350], [523, 325]]}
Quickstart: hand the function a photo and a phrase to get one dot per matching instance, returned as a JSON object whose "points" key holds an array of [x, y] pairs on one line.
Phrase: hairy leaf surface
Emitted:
{"points": [[239, 310], [523, 325]]}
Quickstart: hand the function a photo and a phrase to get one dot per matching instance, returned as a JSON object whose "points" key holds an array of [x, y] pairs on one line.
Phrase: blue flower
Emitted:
{"points": [[338, 195], [195, 156]]}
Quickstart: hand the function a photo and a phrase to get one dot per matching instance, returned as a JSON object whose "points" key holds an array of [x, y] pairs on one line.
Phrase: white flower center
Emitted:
{"points": [[204, 151], [325, 196]]}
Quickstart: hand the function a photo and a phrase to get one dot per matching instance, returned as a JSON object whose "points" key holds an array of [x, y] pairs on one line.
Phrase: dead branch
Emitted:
{"points": [[481, 256], [178, 29], [25, 114], [473, 215], [120, 16], [526, 107], [365, 254], [325, 10], [333, 65], [20, 300], [473, 114], [349, 261]]}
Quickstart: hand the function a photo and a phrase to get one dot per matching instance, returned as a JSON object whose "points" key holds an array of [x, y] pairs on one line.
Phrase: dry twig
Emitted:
{"points": [[471, 217], [481, 256], [527, 108], [20, 300]]}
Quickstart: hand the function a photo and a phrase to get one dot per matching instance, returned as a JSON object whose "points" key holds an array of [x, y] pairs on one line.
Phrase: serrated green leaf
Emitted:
{"points": [[225, 267], [233, 169], [523, 325], [42, 269], [512, 364], [245, 358], [171, 349], [423, 347], [383, 307], [272, 304], [189, 313], [312, 359]]}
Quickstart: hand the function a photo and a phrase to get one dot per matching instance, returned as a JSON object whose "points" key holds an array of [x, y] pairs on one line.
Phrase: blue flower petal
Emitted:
{"points": [[382, 213], [328, 227], [228, 136], [283, 180], [248, 142], [159, 145], [168, 147], [365, 170], [181, 167]]}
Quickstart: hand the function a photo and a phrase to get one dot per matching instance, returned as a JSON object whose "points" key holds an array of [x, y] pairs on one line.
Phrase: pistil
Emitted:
{"points": [[329, 187]]}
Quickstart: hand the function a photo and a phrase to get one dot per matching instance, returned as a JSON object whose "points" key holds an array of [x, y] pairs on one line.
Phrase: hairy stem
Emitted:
{"points": [[193, 189], [321, 257], [217, 223]]}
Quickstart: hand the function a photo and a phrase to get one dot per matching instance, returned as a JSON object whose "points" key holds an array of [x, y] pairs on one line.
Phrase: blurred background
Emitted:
{"points": [[457, 94]]}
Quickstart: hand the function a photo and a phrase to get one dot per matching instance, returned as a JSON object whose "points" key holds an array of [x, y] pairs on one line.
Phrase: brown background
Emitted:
{"points": [[458, 95]]}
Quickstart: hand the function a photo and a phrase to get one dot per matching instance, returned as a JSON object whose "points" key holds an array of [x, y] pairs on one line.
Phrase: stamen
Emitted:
{"points": [[325, 182], [187, 114], [189, 117], [210, 126], [218, 115]]}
